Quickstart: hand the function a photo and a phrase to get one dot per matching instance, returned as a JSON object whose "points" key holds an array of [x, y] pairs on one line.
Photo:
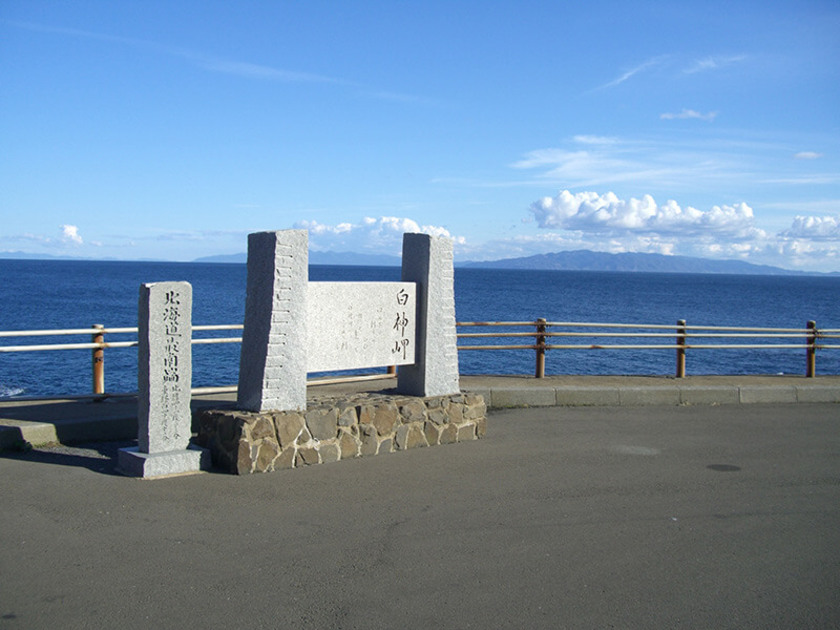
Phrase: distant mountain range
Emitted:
{"points": [[586, 260], [578, 260], [321, 258]]}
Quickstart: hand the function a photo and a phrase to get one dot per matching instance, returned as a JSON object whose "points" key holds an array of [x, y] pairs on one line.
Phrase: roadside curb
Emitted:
{"points": [[42, 422]]}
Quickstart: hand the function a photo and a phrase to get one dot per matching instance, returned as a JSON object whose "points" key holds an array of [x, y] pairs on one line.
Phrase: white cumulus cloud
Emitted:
{"points": [[592, 212], [70, 234], [807, 155], [379, 235], [815, 228]]}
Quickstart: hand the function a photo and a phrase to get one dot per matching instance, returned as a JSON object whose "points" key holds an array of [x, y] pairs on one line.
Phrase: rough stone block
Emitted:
{"points": [[409, 436], [260, 428], [438, 415], [285, 460], [466, 432], [348, 417], [370, 445], [289, 427], [262, 442], [413, 411], [329, 453], [322, 423], [432, 432], [386, 418], [348, 445], [449, 435], [306, 457], [267, 452]]}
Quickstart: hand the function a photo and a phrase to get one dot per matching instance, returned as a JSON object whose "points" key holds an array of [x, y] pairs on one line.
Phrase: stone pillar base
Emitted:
{"points": [[332, 429], [133, 463]]}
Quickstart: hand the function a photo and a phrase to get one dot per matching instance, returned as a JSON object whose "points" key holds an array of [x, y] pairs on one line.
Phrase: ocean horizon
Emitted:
{"points": [[61, 294]]}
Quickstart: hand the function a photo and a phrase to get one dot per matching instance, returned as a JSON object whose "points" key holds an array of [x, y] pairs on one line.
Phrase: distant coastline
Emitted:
{"points": [[577, 260]]}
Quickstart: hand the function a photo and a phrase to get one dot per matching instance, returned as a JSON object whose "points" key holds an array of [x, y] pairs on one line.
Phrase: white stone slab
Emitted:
{"points": [[134, 463], [354, 325], [164, 366]]}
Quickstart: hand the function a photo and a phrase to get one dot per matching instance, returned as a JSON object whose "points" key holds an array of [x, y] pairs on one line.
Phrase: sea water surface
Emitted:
{"points": [[38, 294]]}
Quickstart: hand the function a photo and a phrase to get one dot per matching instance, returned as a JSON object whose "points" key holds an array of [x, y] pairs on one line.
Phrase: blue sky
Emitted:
{"points": [[173, 129]]}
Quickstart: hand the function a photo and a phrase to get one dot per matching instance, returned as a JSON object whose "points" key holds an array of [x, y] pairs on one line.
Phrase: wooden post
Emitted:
{"points": [[680, 348], [539, 372], [99, 360], [811, 369], [392, 370]]}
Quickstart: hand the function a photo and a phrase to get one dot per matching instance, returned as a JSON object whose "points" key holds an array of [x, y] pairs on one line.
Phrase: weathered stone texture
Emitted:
{"points": [[272, 366], [427, 260], [244, 442]]}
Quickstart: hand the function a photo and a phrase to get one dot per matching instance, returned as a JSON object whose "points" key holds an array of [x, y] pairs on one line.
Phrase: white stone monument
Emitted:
{"points": [[164, 379], [272, 364], [428, 262], [293, 326]]}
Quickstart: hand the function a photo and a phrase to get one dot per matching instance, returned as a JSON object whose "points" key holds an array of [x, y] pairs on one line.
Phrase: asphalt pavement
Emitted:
{"points": [[658, 516]]}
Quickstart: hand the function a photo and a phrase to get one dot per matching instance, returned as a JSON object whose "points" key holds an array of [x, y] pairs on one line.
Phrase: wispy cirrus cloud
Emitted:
{"points": [[807, 155], [686, 114], [233, 67], [714, 62], [202, 60], [628, 74]]}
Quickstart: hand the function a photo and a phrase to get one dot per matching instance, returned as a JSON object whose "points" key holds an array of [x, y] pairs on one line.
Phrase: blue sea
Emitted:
{"points": [[36, 295]]}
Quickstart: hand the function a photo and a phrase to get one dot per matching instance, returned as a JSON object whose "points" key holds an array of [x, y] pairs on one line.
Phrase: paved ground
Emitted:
{"points": [[629, 517]]}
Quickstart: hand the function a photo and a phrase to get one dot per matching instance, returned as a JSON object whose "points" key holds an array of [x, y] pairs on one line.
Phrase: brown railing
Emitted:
{"points": [[544, 334]]}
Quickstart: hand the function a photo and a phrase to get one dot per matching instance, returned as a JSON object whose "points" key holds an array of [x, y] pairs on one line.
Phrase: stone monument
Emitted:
{"points": [[428, 262], [164, 378], [293, 326], [272, 365]]}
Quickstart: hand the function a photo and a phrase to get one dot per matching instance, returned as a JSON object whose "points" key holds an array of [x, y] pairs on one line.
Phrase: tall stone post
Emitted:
{"points": [[164, 380], [272, 365], [428, 261]]}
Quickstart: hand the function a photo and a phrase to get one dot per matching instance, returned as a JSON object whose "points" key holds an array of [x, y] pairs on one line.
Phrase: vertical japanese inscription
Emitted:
{"points": [[164, 366], [401, 345], [356, 325]]}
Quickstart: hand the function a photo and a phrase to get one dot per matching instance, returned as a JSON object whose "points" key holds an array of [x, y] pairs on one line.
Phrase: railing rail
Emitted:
{"points": [[543, 333], [812, 338]]}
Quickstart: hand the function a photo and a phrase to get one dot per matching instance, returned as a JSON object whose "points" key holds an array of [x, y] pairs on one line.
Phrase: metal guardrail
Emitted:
{"points": [[544, 332], [682, 334]]}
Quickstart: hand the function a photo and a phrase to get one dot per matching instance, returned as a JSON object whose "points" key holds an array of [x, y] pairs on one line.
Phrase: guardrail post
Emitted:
{"points": [[680, 348], [99, 360], [811, 369], [539, 372]]}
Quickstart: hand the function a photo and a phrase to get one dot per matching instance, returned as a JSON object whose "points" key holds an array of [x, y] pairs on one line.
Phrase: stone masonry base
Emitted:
{"points": [[332, 429]]}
